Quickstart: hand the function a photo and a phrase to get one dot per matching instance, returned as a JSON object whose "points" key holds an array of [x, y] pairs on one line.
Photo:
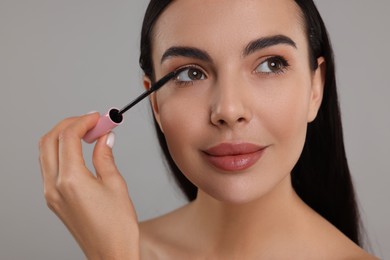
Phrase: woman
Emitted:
{"points": [[251, 130]]}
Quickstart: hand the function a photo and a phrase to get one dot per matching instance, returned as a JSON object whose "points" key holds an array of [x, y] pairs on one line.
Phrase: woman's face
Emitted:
{"points": [[235, 120]]}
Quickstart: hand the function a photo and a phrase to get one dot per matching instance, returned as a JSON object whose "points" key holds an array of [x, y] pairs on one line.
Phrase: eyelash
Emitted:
{"points": [[282, 65], [189, 82]]}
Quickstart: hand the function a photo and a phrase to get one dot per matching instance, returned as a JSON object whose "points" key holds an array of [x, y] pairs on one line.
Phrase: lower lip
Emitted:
{"points": [[233, 163]]}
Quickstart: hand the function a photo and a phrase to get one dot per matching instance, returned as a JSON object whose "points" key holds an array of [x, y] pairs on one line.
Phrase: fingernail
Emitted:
{"points": [[110, 140], [91, 112]]}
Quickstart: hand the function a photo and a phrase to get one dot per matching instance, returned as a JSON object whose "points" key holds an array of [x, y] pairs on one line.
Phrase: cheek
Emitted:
{"points": [[180, 110], [286, 120], [182, 117], [290, 116]]}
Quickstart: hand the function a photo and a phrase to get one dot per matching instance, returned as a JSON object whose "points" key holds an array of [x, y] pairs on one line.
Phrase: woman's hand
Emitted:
{"points": [[97, 209]]}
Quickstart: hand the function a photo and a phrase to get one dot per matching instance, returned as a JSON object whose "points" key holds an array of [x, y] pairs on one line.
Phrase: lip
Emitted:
{"points": [[234, 157]]}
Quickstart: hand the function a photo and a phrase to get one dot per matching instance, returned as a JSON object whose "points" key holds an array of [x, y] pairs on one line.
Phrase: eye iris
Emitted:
{"points": [[274, 65], [194, 74]]}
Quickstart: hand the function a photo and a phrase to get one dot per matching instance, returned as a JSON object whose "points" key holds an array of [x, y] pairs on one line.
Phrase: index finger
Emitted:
{"points": [[69, 142]]}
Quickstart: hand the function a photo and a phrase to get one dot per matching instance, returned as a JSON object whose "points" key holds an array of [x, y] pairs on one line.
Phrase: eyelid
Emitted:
{"points": [[189, 66], [184, 68], [284, 61]]}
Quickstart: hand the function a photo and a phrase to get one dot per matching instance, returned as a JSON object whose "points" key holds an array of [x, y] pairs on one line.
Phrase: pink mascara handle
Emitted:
{"points": [[106, 123]]}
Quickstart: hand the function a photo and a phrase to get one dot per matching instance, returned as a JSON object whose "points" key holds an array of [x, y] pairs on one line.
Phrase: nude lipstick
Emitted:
{"points": [[234, 157]]}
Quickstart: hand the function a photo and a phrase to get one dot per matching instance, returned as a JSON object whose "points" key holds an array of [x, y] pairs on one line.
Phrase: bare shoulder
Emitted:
{"points": [[161, 237], [330, 242], [168, 237]]}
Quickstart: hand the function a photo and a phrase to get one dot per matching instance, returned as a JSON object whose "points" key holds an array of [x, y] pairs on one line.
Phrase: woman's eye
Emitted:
{"points": [[272, 65], [189, 75]]}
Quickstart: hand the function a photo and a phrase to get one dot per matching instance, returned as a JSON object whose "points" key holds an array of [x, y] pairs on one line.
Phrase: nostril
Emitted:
{"points": [[221, 122], [241, 119]]}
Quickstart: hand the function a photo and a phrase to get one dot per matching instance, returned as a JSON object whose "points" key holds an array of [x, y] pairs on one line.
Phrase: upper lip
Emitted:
{"points": [[231, 149]]}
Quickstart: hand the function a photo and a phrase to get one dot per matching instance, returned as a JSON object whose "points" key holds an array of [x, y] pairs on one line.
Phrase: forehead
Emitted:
{"points": [[226, 24]]}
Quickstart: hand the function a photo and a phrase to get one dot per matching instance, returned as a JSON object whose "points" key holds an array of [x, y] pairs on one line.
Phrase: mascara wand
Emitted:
{"points": [[114, 117]]}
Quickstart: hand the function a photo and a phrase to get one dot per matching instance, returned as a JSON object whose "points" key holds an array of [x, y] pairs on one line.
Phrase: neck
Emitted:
{"points": [[238, 227]]}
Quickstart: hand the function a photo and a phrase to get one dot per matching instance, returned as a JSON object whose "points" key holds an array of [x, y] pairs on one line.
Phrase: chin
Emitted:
{"points": [[240, 190], [237, 193]]}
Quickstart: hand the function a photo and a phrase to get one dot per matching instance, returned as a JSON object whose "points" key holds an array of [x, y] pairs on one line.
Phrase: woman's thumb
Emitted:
{"points": [[103, 159]]}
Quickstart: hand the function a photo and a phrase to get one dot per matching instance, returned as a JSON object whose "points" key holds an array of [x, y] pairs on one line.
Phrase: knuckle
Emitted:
{"points": [[66, 184], [46, 149], [103, 159], [52, 197], [54, 206], [45, 141], [65, 135], [46, 138], [117, 182], [69, 120], [42, 141], [42, 159]]}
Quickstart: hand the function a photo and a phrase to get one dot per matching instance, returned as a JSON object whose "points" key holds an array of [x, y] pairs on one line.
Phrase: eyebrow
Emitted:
{"points": [[189, 52], [253, 46], [265, 42]]}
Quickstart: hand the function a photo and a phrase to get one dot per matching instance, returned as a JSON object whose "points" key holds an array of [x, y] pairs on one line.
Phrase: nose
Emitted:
{"points": [[230, 104]]}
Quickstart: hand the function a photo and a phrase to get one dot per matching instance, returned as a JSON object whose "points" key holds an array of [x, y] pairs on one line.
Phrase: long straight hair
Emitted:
{"points": [[321, 176]]}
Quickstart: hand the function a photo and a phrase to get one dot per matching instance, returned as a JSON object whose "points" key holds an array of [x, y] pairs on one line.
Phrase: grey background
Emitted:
{"points": [[64, 58]]}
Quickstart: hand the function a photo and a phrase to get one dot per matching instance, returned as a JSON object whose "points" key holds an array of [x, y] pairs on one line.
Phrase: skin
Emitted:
{"points": [[267, 110], [254, 213], [247, 214], [86, 202]]}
